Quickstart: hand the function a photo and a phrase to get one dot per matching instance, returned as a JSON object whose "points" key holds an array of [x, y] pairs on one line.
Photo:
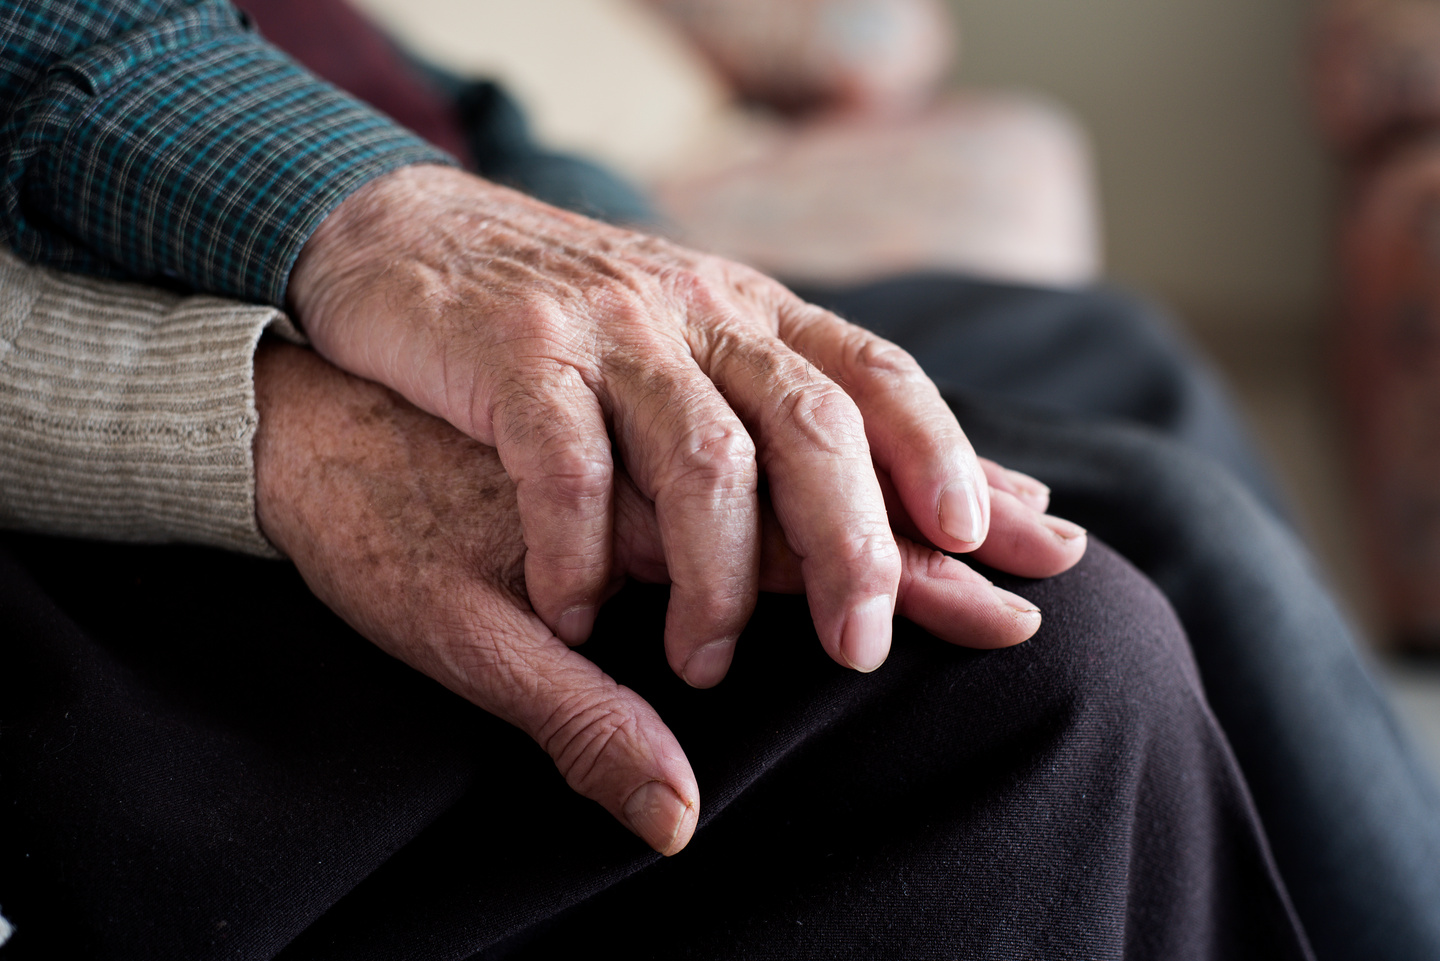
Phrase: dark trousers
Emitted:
{"points": [[1140, 443], [197, 760]]}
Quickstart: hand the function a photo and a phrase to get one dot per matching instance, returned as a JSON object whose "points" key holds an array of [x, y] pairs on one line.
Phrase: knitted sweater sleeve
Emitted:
{"points": [[165, 141], [126, 412]]}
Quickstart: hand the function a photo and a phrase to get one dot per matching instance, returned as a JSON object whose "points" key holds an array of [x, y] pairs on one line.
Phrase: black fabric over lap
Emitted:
{"points": [[213, 775], [1068, 798], [196, 757], [1352, 814]]}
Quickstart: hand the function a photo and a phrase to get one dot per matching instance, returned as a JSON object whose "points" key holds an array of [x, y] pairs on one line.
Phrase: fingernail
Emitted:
{"points": [[1063, 529], [865, 642], [1015, 601], [575, 625], [707, 666], [960, 512], [1029, 489], [656, 813]]}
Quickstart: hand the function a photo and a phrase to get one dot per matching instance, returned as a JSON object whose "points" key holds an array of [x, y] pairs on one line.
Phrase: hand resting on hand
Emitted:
{"points": [[542, 333], [410, 531]]}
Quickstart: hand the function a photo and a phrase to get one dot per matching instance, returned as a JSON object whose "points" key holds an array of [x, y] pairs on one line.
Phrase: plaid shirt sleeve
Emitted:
{"points": [[164, 140]]}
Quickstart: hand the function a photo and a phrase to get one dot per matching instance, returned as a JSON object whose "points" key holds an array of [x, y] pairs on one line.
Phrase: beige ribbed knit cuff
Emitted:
{"points": [[128, 413]]}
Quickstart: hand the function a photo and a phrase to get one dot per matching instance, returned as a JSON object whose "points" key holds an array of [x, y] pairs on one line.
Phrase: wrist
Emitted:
{"points": [[271, 361], [288, 383], [361, 235]]}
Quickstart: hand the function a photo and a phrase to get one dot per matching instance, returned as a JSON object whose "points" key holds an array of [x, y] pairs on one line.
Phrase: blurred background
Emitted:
{"points": [[1166, 145]]}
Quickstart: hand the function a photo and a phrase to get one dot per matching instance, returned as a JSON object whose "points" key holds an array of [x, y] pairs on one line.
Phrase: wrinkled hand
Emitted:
{"points": [[410, 532], [540, 332]]}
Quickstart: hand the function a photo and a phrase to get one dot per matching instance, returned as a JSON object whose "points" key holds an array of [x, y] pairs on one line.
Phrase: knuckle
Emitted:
{"points": [[624, 302], [656, 373], [938, 564], [569, 457], [805, 322], [874, 551], [714, 455], [760, 355], [530, 399], [826, 416], [877, 357], [549, 451], [751, 284], [716, 282], [570, 473], [585, 735], [689, 283], [537, 321]]}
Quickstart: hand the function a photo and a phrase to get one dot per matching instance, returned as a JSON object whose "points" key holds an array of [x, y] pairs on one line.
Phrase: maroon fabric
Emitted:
{"points": [[335, 42]]}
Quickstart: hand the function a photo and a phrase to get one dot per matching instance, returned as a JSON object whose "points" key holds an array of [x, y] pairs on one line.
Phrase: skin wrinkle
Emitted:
{"points": [[525, 679], [549, 441], [586, 460], [625, 315], [722, 347], [938, 565], [877, 360], [503, 287], [715, 458], [428, 288], [521, 281], [825, 418], [871, 544], [726, 615], [606, 267], [591, 743], [649, 367], [650, 426], [546, 497], [409, 530]]}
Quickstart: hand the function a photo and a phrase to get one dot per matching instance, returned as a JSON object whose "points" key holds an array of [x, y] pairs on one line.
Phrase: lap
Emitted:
{"points": [[1351, 813], [221, 765]]}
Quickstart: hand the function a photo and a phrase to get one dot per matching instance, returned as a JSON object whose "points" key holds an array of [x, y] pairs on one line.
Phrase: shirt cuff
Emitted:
{"points": [[188, 151], [128, 413]]}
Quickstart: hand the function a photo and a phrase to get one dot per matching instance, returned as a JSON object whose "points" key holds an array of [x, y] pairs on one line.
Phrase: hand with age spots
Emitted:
{"points": [[410, 531], [542, 333]]}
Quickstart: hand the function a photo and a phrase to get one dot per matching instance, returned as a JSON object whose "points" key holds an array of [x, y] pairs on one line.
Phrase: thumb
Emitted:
{"points": [[609, 744]]}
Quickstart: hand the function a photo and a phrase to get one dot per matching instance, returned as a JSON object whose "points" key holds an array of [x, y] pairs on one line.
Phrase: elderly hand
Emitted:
{"points": [[542, 333], [410, 532]]}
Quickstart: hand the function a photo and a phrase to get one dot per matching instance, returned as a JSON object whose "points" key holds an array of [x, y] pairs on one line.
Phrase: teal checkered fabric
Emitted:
{"points": [[164, 140]]}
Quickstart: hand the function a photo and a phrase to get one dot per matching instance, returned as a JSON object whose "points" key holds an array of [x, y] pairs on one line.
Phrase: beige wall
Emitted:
{"points": [[1215, 193]]}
